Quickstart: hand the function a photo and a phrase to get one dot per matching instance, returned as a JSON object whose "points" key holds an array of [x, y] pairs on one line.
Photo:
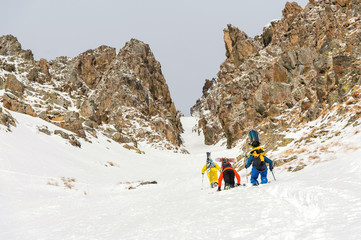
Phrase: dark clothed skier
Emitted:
{"points": [[228, 173]]}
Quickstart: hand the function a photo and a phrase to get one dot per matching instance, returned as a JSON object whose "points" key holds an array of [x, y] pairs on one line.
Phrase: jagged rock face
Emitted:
{"points": [[90, 66], [239, 46], [9, 46], [135, 79], [6, 119], [123, 96], [299, 67]]}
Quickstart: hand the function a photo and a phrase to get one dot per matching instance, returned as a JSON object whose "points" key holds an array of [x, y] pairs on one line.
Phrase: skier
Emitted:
{"points": [[258, 160], [228, 173], [211, 168]]}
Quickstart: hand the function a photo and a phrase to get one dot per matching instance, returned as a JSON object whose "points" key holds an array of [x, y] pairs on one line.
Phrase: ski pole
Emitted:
{"points": [[202, 180], [273, 175], [246, 170], [246, 175]]}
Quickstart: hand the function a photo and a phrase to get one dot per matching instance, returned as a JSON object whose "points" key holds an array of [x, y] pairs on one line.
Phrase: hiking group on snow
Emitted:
{"points": [[257, 158]]}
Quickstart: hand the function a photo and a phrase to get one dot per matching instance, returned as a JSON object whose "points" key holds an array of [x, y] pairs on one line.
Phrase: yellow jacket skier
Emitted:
{"points": [[211, 168]]}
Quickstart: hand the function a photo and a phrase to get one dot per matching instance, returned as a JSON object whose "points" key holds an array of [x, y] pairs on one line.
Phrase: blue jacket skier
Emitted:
{"points": [[258, 160]]}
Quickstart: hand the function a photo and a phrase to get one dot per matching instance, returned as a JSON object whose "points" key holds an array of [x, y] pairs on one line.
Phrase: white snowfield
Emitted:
{"points": [[323, 201]]}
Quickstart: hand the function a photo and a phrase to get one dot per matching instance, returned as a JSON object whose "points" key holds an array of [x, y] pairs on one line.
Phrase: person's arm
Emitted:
{"points": [[237, 176], [220, 180], [249, 162], [204, 168], [269, 161]]}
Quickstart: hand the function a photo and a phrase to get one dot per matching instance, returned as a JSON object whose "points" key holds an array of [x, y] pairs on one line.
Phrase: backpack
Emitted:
{"points": [[225, 165], [258, 159]]}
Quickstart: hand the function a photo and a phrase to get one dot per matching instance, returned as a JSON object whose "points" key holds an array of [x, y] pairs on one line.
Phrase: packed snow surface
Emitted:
{"points": [[52, 190]]}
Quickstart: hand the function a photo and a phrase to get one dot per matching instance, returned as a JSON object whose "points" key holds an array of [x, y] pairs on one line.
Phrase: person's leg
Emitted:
{"points": [[254, 176], [227, 179], [231, 180], [264, 179], [213, 177], [209, 177]]}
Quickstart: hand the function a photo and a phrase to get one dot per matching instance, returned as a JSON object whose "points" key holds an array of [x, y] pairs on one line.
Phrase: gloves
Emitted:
{"points": [[219, 189], [271, 168]]}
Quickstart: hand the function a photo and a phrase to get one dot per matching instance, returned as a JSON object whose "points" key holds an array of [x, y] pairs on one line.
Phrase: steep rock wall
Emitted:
{"points": [[290, 74], [123, 96]]}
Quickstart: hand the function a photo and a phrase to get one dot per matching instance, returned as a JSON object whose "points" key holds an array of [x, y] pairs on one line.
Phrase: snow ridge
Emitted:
{"points": [[51, 190]]}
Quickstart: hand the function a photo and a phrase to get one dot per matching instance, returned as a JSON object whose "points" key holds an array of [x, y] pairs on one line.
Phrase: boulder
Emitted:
{"points": [[14, 85], [239, 46], [341, 64], [6, 119], [290, 12], [14, 104], [88, 109]]}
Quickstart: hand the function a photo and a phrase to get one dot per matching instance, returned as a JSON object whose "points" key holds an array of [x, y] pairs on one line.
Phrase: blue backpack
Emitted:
{"points": [[226, 165]]}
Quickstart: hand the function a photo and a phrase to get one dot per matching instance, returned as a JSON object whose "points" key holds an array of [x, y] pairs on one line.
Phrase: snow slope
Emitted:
{"points": [[319, 202]]}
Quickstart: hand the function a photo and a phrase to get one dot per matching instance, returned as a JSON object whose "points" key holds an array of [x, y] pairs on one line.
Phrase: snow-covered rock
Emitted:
{"points": [[123, 95], [298, 68]]}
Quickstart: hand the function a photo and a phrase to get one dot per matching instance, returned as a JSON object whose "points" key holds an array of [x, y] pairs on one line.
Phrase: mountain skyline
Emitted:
{"points": [[186, 37]]}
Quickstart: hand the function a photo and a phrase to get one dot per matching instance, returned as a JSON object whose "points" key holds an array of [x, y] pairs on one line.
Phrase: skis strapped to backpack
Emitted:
{"points": [[210, 164], [225, 159]]}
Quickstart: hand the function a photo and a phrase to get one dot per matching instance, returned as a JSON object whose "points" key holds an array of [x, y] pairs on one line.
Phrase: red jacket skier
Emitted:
{"points": [[228, 173]]}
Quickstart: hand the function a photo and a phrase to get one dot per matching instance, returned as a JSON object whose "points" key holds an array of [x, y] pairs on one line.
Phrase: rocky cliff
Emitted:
{"points": [[294, 72], [123, 96]]}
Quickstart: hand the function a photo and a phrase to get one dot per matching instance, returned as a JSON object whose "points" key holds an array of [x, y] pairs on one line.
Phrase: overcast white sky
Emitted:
{"points": [[186, 36]]}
